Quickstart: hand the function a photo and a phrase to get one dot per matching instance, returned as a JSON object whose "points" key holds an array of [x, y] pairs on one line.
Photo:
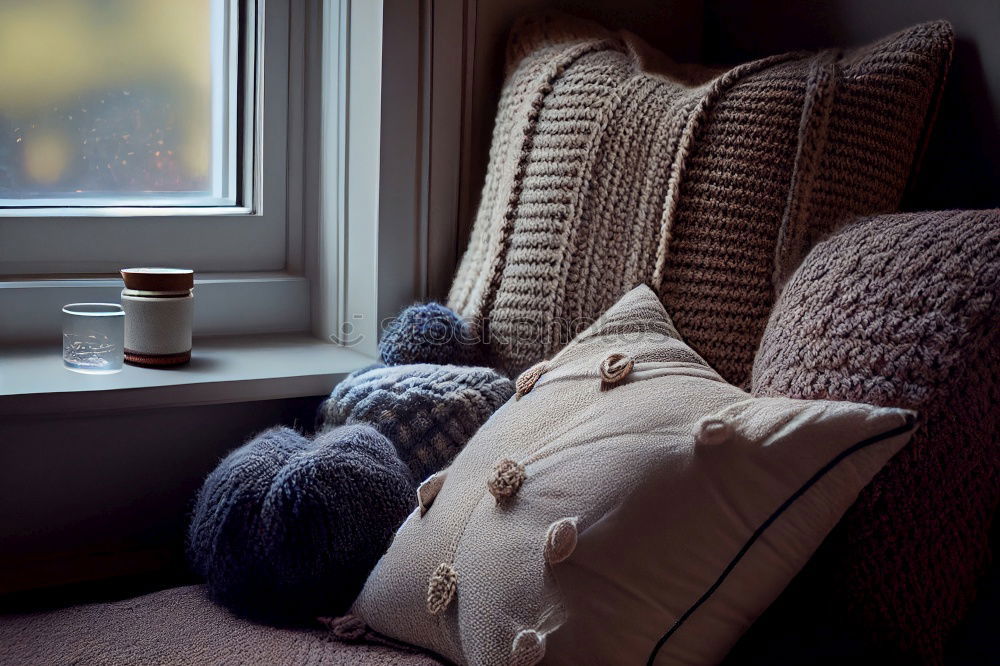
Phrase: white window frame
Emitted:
{"points": [[248, 258], [48, 241], [389, 231], [356, 204]]}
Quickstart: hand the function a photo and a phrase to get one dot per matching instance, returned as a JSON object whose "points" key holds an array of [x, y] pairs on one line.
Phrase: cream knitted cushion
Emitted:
{"points": [[630, 505], [612, 166]]}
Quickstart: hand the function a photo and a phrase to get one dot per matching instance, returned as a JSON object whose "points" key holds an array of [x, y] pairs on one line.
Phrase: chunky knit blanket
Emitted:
{"points": [[904, 311], [612, 166]]}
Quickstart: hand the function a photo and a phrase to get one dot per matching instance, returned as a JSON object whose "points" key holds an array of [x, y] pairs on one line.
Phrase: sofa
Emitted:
{"points": [[769, 347]]}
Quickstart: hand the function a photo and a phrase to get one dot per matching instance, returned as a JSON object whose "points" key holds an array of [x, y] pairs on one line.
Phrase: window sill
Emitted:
{"points": [[225, 304], [33, 381]]}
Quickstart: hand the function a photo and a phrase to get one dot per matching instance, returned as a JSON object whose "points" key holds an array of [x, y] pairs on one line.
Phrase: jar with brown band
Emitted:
{"points": [[159, 310]]}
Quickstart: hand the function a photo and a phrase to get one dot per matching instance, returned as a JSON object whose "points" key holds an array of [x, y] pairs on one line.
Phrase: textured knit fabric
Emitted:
{"points": [[610, 501], [905, 310], [427, 411], [287, 529], [430, 333], [179, 627], [612, 166]]}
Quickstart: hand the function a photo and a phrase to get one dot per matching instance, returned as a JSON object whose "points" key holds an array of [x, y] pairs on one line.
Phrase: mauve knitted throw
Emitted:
{"points": [[904, 311], [427, 411], [286, 529], [612, 166]]}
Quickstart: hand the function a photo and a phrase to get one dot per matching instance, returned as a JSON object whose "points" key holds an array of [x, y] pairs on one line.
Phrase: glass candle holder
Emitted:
{"points": [[93, 337]]}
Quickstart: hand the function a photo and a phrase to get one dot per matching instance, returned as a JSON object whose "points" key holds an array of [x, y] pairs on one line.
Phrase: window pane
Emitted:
{"points": [[116, 102]]}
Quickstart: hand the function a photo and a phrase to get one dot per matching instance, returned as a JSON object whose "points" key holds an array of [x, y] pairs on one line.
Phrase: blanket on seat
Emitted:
{"points": [[178, 626]]}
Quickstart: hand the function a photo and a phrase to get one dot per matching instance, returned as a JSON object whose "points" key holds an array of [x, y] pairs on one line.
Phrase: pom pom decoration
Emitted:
{"points": [[430, 333]]}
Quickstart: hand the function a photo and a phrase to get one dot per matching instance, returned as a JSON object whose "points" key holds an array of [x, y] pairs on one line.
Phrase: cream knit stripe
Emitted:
{"points": [[553, 307], [476, 253], [661, 156], [511, 193], [510, 121], [624, 146], [470, 284], [464, 288], [572, 114], [580, 264]]}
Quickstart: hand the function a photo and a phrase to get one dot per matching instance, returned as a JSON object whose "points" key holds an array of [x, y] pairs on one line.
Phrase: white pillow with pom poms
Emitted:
{"points": [[627, 506]]}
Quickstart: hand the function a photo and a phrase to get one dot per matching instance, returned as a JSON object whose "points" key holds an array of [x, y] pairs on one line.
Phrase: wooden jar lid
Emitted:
{"points": [[158, 279]]}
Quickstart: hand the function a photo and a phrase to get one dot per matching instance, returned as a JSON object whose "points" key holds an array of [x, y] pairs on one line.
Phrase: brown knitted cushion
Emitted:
{"points": [[904, 310], [612, 166]]}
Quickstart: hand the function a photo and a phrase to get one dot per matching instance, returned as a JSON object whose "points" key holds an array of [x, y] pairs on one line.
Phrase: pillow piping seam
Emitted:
{"points": [[907, 426]]}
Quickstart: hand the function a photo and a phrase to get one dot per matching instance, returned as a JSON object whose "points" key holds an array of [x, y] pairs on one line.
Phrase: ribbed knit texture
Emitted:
{"points": [[430, 333], [286, 529], [904, 310], [612, 166], [427, 411]]}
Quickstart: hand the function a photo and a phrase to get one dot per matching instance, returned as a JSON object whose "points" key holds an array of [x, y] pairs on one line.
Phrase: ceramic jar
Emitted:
{"points": [[159, 310]]}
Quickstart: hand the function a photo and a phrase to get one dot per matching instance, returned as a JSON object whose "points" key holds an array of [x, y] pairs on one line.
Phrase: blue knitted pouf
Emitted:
{"points": [[428, 411], [430, 333], [286, 529]]}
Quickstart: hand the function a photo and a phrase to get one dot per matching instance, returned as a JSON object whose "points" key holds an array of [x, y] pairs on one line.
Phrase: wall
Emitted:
{"points": [[962, 165], [108, 495]]}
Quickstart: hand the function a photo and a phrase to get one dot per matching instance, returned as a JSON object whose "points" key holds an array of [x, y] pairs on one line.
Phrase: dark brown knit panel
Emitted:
{"points": [[612, 166], [718, 281], [904, 311]]}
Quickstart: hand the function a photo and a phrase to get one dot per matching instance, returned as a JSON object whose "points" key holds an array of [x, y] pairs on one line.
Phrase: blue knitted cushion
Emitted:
{"points": [[287, 529], [430, 333], [428, 411]]}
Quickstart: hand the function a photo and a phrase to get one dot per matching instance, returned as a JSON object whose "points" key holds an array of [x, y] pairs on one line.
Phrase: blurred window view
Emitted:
{"points": [[117, 102]]}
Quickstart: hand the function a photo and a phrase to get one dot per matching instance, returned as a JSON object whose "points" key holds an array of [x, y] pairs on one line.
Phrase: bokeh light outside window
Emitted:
{"points": [[117, 102]]}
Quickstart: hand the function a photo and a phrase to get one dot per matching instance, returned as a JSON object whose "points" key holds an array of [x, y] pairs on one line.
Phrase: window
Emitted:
{"points": [[118, 102], [221, 83], [217, 84], [300, 168]]}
